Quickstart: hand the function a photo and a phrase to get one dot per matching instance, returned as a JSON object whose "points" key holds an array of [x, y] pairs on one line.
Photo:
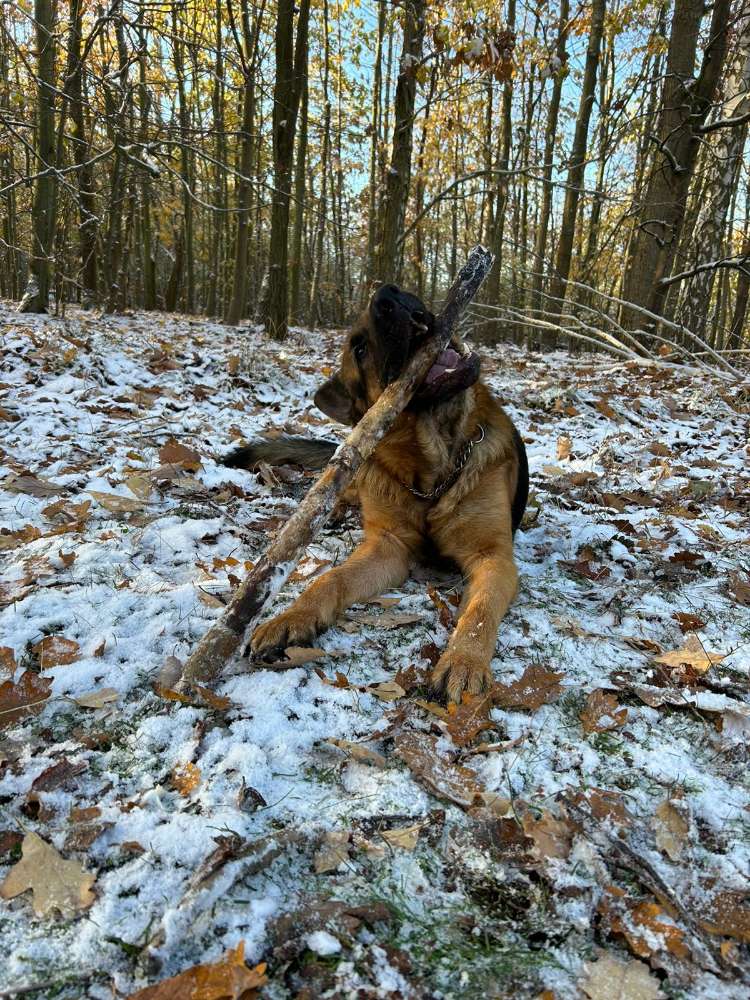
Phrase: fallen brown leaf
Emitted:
{"points": [[439, 775], [56, 651], [444, 612], [552, 837], [723, 911], [688, 622], [564, 445], [405, 837], [739, 588], [602, 712], [535, 688], [359, 752], [227, 979], [671, 829], [467, 720], [174, 453], [24, 698], [7, 660], [692, 654], [56, 884], [98, 698], [644, 925], [333, 852], [387, 691], [116, 504]]}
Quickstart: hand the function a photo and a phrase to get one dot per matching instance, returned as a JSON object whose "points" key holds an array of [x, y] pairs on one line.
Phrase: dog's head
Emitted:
{"points": [[389, 331]]}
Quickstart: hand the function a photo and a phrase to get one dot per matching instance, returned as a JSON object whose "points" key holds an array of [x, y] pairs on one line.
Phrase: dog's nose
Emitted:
{"points": [[387, 298]]}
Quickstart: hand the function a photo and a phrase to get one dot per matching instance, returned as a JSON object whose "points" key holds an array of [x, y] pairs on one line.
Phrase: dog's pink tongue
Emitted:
{"points": [[446, 361]]}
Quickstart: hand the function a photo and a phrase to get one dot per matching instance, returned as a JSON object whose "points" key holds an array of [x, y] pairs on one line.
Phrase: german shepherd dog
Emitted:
{"points": [[450, 477]]}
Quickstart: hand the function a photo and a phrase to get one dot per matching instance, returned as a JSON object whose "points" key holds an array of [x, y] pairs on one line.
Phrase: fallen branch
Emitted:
{"points": [[272, 570]]}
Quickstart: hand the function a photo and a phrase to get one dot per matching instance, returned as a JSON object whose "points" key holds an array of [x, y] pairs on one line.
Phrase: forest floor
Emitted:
{"points": [[584, 833]]}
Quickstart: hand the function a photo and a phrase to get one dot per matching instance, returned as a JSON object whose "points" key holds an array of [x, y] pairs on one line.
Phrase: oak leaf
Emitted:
{"points": [[692, 654], [56, 884], [602, 712], [178, 454], [535, 688], [56, 651], [439, 775], [23, 698], [227, 979], [467, 720]]}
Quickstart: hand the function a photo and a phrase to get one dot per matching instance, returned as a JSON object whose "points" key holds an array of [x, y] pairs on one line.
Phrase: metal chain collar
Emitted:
{"points": [[443, 486]]}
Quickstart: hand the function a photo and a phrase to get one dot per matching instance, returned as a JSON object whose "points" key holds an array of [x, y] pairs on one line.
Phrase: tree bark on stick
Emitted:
{"points": [[273, 569]]}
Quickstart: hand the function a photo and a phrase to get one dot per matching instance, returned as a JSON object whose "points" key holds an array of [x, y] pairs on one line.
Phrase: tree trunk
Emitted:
{"points": [[557, 70], [685, 105], [577, 167], [492, 289], [186, 161], [148, 262], [388, 255], [247, 52], [291, 56], [375, 138], [36, 296], [300, 167], [725, 157], [314, 311], [216, 270], [737, 329]]}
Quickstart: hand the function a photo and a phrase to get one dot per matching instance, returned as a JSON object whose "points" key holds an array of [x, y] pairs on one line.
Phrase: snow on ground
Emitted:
{"points": [[641, 516]]}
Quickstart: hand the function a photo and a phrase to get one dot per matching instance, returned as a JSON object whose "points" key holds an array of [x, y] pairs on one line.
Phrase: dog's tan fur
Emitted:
{"points": [[470, 524]]}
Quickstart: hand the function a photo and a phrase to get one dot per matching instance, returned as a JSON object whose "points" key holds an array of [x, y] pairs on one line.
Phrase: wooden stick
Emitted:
{"points": [[273, 569]]}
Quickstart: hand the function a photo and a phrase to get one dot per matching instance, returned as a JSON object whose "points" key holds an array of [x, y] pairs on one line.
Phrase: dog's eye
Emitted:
{"points": [[359, 347]]}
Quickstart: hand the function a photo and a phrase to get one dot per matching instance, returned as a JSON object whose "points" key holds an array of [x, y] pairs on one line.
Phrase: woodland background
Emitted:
{"points": [[271, 161]]}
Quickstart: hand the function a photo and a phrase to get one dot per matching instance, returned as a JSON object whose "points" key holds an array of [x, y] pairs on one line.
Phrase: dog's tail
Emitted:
{"points": [[310, 453]]}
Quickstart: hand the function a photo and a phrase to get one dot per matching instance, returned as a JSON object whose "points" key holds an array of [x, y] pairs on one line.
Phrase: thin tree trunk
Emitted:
{"points": [[685, 105], [300, 167], [389, 252], [36, 296], [492, 289], [577, 166], [290, 58], [213, 304], [375, 127], [314, 309], [550, 137], [723, 172], [248, 56]]}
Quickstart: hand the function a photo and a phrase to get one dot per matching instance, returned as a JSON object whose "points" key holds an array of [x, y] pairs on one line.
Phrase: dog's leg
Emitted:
{"points": [[478, 535], [380, 562], [465, 664]]}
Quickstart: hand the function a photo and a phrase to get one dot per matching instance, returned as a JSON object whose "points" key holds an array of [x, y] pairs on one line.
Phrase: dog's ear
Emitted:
{"points": [[334, 400]]}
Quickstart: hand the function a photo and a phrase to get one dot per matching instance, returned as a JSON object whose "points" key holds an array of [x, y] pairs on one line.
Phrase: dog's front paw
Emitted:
{"points": [[290, 628], [456, 672]]}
